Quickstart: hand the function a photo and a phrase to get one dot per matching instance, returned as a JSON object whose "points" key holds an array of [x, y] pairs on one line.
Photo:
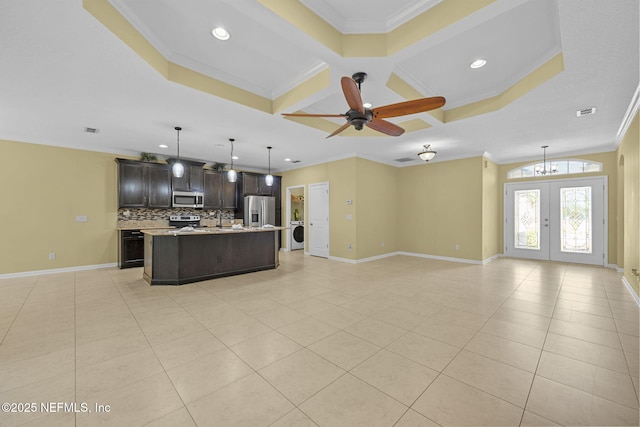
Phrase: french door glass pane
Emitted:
{"points": [[575, 218], [527, 219]]}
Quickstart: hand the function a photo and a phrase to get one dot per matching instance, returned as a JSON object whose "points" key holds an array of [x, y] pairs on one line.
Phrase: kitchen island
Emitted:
{"points": [[174, 257]]}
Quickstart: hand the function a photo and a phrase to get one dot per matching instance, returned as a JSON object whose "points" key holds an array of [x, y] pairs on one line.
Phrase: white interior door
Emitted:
{"points": [[560, 220], [319, 219]]}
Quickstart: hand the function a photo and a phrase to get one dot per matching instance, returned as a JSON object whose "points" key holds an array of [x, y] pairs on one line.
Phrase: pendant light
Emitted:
{"points": [[269, 178], [427, 154], [232, 175], [553, 168], [178, 168]]}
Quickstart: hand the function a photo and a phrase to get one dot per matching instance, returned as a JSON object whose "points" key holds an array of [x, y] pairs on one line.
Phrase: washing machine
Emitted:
{"points": [[297, 235]]}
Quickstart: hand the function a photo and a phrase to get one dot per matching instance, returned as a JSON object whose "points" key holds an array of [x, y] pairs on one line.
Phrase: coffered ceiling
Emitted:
{"points": [[134, 69]]}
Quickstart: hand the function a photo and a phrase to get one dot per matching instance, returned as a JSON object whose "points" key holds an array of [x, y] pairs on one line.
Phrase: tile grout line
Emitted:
{"points": [[624, 353], [154, 353], [463, 348], [535, 373]]}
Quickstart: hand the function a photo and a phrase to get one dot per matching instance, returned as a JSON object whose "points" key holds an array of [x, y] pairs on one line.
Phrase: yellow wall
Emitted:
{"points": [[609, 168], [341, 176], [377, 208], [491, 216], [43, 190], [440, 206], [629, 154]]}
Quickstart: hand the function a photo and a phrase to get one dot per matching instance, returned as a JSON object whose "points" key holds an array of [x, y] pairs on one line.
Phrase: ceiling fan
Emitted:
{"points": [[359, 116]]}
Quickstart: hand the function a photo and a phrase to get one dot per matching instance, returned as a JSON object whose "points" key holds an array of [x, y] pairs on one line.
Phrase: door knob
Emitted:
{"points": [[311, 224]]}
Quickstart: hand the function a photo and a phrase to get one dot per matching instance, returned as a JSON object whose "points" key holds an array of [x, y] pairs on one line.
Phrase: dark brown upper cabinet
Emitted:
{"points": [[193, 178], [143, 185], [219, 193]]}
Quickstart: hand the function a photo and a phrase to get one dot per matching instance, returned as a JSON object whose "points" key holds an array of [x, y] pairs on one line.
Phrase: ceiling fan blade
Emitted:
{"points": [[385, 127], [312, 115], [340, 129], [352, 94], [408, 107]]}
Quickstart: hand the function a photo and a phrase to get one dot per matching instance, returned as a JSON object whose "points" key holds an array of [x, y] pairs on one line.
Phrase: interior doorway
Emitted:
{"points": [[557, 220], [295, 218], [319, 219]]}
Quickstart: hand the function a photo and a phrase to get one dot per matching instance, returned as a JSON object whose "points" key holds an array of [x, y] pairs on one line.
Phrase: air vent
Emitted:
{"points": [[296, 161], [405, 159], [586, 112], [91, 130]]}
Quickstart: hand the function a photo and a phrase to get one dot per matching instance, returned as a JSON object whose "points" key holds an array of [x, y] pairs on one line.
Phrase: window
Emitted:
{"points": [[561, 167]]}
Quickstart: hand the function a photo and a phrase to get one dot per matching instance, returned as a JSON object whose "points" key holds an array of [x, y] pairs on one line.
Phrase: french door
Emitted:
{"points": [[559, 220]]}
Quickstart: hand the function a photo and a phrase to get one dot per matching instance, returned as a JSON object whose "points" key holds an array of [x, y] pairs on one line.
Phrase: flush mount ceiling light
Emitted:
{"points": [[269, 178], [163, 146], [178, 168], [220, 33], [553, 168], [478, 63], [427, 154], [287, 159], [232, 175]]}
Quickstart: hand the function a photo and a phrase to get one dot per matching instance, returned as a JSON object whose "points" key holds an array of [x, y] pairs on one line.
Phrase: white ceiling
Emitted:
{"points": [[62, 71]]}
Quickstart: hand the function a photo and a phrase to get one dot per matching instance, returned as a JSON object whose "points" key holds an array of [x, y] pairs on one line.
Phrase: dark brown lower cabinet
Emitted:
{"points": [[187, 258]]}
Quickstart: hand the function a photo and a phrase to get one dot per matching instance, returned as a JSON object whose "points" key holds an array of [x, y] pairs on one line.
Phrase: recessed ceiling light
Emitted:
{"points": [[220, 33], [478, 63], [235, 157], [163, 146], [287, 160], [366, 105]]}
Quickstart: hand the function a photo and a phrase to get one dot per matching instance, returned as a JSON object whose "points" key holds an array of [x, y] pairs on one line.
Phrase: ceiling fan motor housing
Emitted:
{"points": [[357, 119]]}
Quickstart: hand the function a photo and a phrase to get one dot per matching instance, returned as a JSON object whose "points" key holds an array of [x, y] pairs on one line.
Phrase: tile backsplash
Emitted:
{"points": [[164, 214]]}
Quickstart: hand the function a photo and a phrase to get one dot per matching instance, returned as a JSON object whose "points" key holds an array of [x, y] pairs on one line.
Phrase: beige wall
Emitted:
{"points": [[440, 206], [491, 216], [377, 209], [43, 190], [628, 157], [341, 176], [610, 169]]}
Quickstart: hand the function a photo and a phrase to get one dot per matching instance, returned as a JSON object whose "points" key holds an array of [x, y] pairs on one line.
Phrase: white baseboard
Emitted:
{"points": [[56, 270], [615, 267], [446, 258], [414, 254], [358, 261], [631, 290]]}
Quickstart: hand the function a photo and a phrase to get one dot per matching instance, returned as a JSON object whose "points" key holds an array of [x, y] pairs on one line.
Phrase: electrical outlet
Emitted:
{"points": [[382, 244], [81, 218], [52, 256], [457, 247], [349, 247]]}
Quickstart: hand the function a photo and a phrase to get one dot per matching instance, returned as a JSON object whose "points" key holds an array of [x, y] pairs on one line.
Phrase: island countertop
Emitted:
{"points": [[207, 230]]}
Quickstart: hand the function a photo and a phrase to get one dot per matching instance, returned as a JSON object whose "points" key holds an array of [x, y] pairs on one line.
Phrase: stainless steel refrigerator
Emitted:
{"points": [[259, 210]]}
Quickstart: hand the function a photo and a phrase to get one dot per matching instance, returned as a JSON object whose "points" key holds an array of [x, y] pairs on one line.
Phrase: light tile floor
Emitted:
{"points": [[400, 341]]}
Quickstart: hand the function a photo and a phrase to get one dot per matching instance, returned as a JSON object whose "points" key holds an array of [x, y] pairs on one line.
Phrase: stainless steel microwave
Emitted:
{"points": [[188, 199]]}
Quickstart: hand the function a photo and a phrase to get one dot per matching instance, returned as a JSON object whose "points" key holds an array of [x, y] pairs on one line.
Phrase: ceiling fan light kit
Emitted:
{"points": [[360, 116]]}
